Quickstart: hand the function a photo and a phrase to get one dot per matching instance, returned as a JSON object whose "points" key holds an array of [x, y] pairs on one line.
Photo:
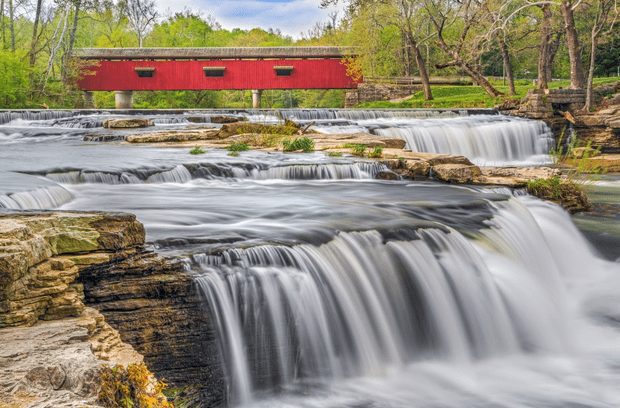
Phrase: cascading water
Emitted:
{"points": [[256, 171], [338, 290], [490, 141], [366, 301]]}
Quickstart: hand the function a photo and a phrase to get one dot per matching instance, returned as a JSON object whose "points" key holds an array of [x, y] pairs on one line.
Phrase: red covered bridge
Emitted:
{"points": [[125, 70]]}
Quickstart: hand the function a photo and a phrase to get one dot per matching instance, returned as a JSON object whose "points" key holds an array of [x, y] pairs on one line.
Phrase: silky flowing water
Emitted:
{"points": [[329, 288]]}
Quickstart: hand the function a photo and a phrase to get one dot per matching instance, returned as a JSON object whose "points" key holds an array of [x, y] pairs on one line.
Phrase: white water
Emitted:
{"points": [[366, 308], [330, 289], [38, 199], [486, 141], [240, 170]]}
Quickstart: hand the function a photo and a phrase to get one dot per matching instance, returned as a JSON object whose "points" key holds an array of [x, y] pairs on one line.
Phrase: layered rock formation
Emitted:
{"points": [[55, 269]]}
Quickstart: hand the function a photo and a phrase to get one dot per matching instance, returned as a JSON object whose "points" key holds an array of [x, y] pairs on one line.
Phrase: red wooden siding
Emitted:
{"points": [[171, 75]]}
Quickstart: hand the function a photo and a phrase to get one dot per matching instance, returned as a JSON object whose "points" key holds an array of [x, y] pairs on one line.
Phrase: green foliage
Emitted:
{"points": [[357, 149], [14, 79], [376, 153], [233, 154], [131, 386], [197, 150], [469, 96], [238, 147], [334, 154], [301, 143], [565, 192]]}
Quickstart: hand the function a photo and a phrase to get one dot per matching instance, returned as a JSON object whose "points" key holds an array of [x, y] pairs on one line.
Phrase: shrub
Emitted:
{"points": [[334, 154], [131, 386], [357, 149], [301, 143], [238, 147], [376, 153], [197, 150]]}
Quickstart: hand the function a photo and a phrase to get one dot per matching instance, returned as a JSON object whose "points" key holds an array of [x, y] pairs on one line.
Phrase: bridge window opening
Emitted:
{"points": [[283, 71], [214, 71], [145, 72]]}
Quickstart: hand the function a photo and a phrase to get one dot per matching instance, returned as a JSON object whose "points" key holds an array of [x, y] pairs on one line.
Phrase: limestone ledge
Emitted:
{"points": [[58, 270], [40, 258], [53, 344]]}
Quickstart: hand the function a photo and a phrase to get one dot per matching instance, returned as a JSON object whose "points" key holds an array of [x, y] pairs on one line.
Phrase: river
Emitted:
{"points": [[329, 288]]}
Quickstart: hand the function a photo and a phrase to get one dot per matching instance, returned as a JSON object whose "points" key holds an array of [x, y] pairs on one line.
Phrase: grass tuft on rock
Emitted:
{"points": [[197, 150], [238, 147], [304, 144], [357, 149], [334, 154], [564, 192], [376, 153]]}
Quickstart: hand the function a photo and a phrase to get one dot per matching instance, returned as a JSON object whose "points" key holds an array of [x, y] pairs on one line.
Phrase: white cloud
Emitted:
{"points": [[292, 17]]}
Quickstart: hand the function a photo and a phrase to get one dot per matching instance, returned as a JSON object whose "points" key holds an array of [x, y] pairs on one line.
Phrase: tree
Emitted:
{"points": [[35, 33], [605, 11], [567, 7], [465, 48], [141, 15]]}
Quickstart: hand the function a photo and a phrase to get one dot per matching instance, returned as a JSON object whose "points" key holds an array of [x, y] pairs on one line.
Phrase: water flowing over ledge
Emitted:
{"points": [[483, 137], [365, 303]]}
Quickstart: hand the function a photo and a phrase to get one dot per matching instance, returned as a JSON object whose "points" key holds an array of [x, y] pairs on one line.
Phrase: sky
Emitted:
{"points": [[292, 17]]}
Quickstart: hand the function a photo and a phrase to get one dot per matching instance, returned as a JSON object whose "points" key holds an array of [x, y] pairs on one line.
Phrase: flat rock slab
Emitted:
{"points": [[132, 123], [174, 136], [57, 363]]}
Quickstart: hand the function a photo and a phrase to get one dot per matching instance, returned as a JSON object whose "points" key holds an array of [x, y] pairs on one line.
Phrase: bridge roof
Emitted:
{"points": [[213, 53]]}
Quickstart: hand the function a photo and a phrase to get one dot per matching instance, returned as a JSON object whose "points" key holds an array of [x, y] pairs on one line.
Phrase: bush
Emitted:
{"points": [[376, 153], [197, 150], [301, 143], [131, 386], [357, 149], [238, 147]]}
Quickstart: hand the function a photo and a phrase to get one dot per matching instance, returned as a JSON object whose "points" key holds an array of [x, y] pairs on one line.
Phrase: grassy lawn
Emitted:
{"points": [[468, 96]]}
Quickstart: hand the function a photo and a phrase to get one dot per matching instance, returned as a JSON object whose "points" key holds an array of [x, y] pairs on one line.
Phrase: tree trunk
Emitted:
{"points": [[544, 60], [2, 28], [35, 32], [573, 45], [426, 83], [554, 46], [12, 24], [589, 84], [507, 64], [479, 79], [74, 27]]}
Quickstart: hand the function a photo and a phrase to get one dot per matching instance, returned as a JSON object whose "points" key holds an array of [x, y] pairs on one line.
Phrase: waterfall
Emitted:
{"points": [[363, 114], [27, 115], [486, 140], [39, 199], [255, 171], [366, 301]]}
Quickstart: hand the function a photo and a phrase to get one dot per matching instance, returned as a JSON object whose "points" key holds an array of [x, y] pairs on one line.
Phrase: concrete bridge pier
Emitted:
{"points": [[89, 100], [256, 97], [123, 99]]}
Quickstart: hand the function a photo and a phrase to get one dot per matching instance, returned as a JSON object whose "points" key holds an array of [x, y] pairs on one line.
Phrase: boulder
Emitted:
{"points": [[456, 173], [131, 123], [387, 175]]}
